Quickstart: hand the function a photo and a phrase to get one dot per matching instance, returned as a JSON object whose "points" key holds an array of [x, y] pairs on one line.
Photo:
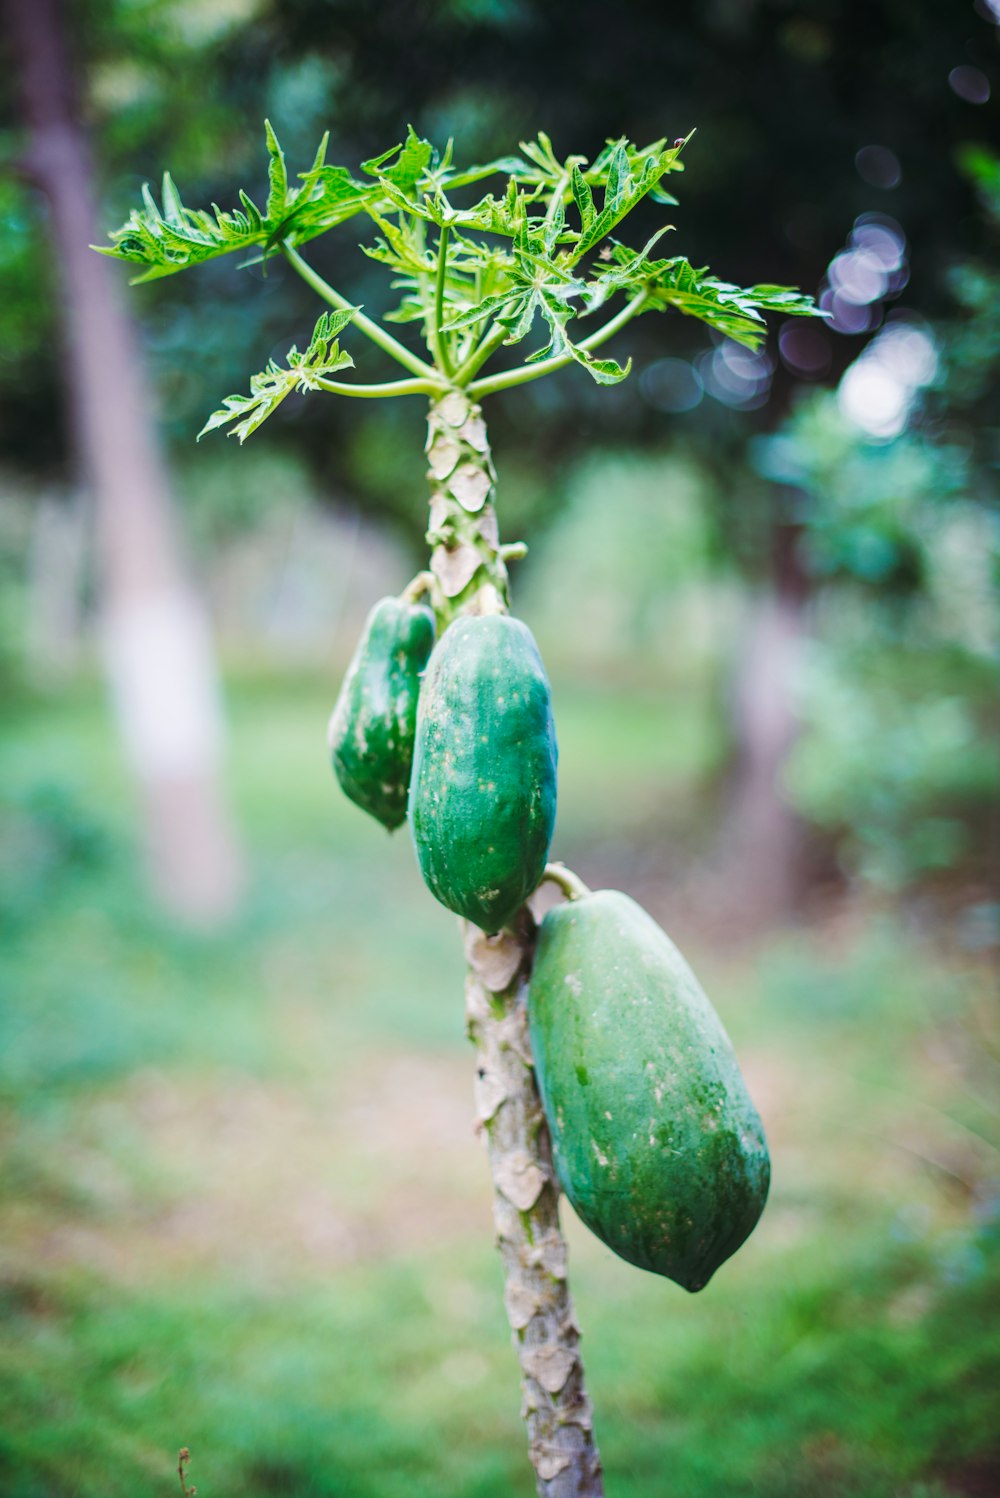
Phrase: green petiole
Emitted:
{"points": [[366, 325]]}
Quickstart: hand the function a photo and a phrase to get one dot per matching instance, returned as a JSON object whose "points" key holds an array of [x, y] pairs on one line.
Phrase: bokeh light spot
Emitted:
{"points": [[736, 376], [805, 349], [970, 84], [858, 276], [879, 167], [671, 385], [869, 270], [877, 392], [846, 316], [880, 237]]}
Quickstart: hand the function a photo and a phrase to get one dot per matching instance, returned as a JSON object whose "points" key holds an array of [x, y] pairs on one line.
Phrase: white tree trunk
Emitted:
{"points": [[156, 644], [763, 837]]}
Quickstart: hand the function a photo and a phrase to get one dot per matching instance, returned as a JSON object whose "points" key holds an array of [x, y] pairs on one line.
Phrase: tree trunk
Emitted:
{"points": [[763, 836], [470, 576], [555, 1405], [56, 562], [157, 648]]}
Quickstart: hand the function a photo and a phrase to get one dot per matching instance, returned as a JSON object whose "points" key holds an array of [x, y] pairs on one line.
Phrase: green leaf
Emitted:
{"points": [[490, 306], [732, 310], [520, 316], [396, 248], [277, 198], [554, 307], [584, 199], [173, 208], [603, 371], [540, 152], [329, 196], [785, 299], [629, 178], [178, 237], [618, 178], [551, 216], [503, 166], [305, 371], [328, 326], [410, 309], [399, 199], [412, 159], [174, 238], [555, 220], [504, 215]]}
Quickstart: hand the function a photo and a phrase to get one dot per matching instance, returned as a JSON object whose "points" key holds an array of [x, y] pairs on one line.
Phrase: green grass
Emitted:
{"points": [[245, 1210]]}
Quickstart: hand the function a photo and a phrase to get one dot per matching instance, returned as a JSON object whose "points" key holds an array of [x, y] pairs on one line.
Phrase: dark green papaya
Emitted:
{"points": [[374, 721], [654, 1137], [483, 794]]}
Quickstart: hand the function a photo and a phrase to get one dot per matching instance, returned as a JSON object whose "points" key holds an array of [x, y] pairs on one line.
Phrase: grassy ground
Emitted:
{"points": [[245, 1210]]}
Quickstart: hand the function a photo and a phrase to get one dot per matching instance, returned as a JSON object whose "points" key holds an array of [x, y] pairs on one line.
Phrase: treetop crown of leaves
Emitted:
{"points": [[474, 272]]}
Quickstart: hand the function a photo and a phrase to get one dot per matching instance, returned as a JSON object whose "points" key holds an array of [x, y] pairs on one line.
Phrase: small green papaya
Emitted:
{"points": [[654, 1137], [373, 724], [483, 793]]}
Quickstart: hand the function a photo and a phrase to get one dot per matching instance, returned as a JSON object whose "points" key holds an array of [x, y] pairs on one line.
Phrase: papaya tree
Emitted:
{"points": [[634, 1106]]}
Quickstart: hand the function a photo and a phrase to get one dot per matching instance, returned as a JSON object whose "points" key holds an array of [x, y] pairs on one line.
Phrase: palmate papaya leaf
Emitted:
{"points": [[167, 240], [305, 371], [733, 310], [397, 248], [625, 172], [533, 278], [602, 371], [548, 169], [539, 283], [277, 176], [629, 176], [537, 167], [502, 166], [409, 162]]}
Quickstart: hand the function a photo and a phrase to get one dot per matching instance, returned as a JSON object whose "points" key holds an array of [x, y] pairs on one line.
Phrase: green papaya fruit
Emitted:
{"points": [[483, 793], [373, 724], [654, 1137]]}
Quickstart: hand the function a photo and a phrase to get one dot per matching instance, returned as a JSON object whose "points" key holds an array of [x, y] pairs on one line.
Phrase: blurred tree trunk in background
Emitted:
{"points": [[56, 569], [763, 837], [157, 649]]}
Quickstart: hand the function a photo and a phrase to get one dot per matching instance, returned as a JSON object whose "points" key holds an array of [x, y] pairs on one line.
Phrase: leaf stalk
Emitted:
{"points": [[440, 338], [372, 330], [387, 388], [525, 372], [489, 345]]}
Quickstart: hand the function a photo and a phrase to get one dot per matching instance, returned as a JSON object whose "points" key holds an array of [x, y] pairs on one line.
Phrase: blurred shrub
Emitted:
{"points": [[898, 700], [227, 493], [47, 837], [15, 536], [899, 776], [630, 553]]}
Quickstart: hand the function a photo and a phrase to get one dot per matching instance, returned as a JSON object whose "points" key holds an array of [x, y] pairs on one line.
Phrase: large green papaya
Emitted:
{"points": [[373, 724], [483, 793], [654, 1137]]}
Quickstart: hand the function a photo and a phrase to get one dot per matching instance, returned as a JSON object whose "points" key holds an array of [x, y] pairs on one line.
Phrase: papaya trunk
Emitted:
{"points": [[555, 1404], [471, 578]]}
